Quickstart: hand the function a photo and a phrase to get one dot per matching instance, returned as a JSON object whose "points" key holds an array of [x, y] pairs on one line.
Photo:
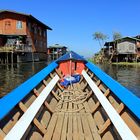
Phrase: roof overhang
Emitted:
{"points": [[27, 15], [119, 40]]}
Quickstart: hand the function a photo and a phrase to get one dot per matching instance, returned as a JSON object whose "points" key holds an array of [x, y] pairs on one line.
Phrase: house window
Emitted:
{"points": [[36, 42], [40, 31], [44, 33], [19, 24], [7, 24], [35, 30]]}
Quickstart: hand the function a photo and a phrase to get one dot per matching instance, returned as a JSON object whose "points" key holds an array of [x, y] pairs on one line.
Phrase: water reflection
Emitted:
{"points": [[12, 76], [129, 76]]}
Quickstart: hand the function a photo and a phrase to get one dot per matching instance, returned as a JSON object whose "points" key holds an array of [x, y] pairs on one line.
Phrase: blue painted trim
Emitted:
{"points": [[8, 102], [71, 56], [127, 97]]}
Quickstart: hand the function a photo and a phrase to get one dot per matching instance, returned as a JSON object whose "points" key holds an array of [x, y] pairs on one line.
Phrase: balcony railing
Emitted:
{"points": [[20, 48]]}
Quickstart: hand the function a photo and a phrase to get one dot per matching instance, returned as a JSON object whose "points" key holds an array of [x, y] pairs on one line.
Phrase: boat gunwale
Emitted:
{"points": [[8, 102], [126, 96], [26, 119], [122, 128]]}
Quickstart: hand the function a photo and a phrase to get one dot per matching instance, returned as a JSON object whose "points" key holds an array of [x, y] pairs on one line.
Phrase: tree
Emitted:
{"points": [[100, 37], [117, 35]]}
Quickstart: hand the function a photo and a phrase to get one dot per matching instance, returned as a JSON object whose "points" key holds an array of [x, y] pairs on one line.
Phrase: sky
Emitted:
{"points": [[74, 21]]}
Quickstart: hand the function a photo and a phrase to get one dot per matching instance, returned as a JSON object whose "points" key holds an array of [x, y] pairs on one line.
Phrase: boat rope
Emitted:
{"points": [[75, 96]]}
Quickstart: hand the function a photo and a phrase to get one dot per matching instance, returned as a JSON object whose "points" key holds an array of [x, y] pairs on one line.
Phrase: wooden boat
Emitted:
{"points": [[95, 107]]}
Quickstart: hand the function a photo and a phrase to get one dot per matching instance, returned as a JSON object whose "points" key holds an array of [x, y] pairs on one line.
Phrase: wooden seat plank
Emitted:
{"points": [[80, 128], [51, 127], [69, 134], [58, 128], [87, 109], [120, 125], [93, 127], [75, 127], [64, 128], [86, 128]]}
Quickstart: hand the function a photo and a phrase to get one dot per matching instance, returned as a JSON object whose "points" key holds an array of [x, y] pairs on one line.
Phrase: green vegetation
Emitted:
{"points": [[101, 56], [100, 37], [126, 63], [117, 35], [90, 59]]}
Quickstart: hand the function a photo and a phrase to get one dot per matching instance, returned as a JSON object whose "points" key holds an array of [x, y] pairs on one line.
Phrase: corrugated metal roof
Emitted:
{"points": [[27, 15], [57, 46], [120, 39]]}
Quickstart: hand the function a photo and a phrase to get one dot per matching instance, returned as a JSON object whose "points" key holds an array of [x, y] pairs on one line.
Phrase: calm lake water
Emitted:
{"points": [[12, 76], [128, 76]]}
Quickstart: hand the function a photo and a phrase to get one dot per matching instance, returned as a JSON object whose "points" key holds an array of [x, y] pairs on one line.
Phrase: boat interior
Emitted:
{"points": [[71, 113]]}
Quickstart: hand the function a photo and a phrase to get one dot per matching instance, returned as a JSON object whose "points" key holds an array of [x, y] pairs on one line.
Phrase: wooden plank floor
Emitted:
{"points": [[74, 125]]}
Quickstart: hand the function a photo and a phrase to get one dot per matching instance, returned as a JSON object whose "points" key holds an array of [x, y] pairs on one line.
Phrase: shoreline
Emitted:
{"points": [[119, 63], [126, 63]]}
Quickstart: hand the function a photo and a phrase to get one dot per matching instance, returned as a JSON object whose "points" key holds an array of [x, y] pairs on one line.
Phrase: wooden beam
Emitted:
{"points": [[59, 73], [26, 119], [51, 75], [54, 94], [35, 121], [86, 69], [98, 103], [98, 82], [59, 86], [45, 103], [81, 79], [108, 121], [120, 125], [91, 75], [48, 107], [51, 127], [58, 127], [89, 94], [45, 82], [36, 92], [83, 88], [57, 82], [2, 135]]}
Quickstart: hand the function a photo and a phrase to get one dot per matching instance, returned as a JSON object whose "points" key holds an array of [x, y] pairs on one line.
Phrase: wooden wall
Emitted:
{"points": [[125, 47], [39, 40], [11, 29], [29, 25]]}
